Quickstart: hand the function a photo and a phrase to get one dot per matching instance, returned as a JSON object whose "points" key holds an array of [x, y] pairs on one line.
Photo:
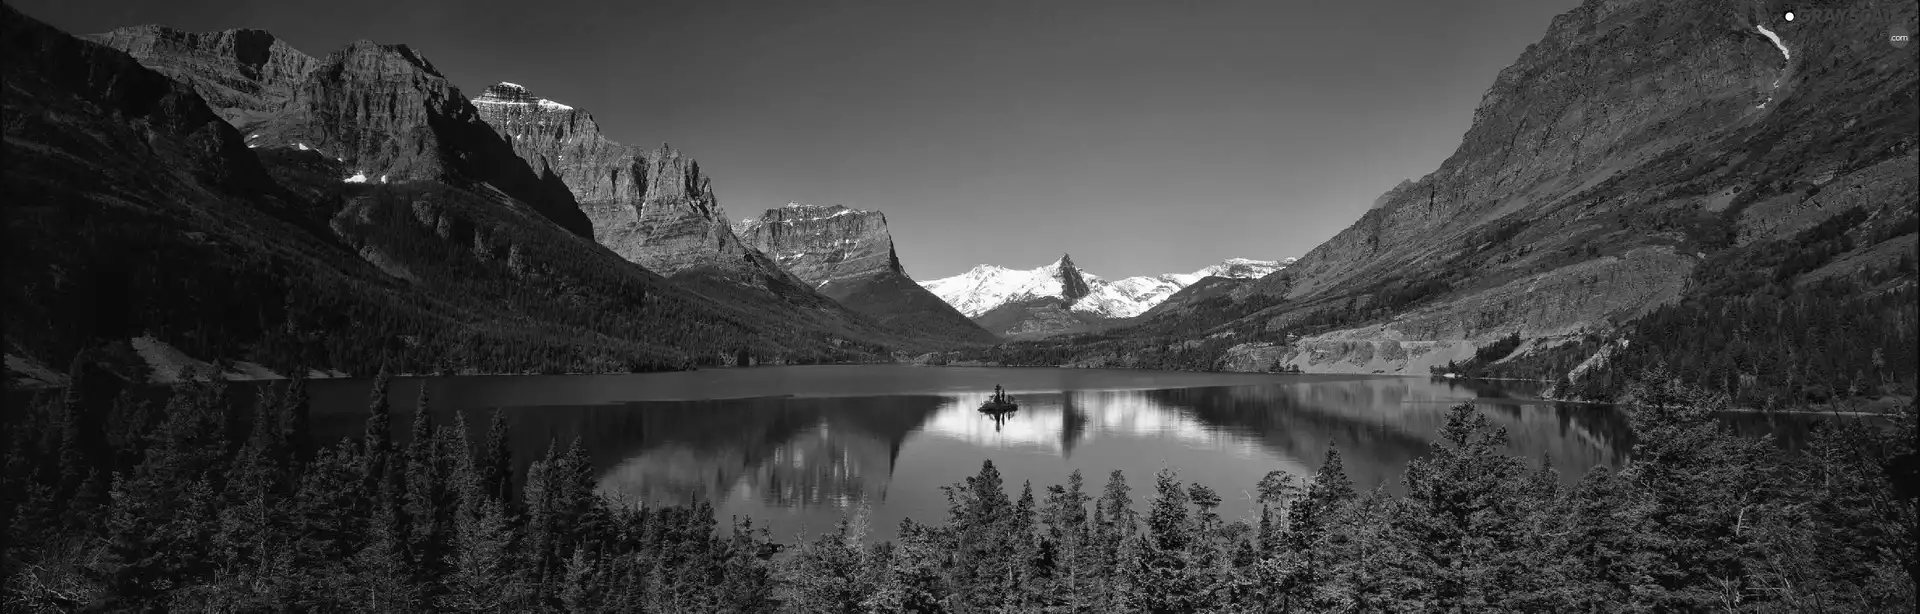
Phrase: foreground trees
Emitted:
{"points": [[193, 508]]}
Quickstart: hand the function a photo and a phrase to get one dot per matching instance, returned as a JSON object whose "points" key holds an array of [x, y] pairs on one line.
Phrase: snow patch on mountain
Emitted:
{"points": [[1776, 41], [987, 287]]}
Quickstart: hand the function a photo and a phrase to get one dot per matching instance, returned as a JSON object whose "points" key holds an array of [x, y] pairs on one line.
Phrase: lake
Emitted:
{"points": [[797, 447]]}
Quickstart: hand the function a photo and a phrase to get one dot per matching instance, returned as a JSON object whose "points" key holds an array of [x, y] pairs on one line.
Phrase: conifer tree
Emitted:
{"points": [[1462, 513], [495, 461], [298, 421], [1307, 526], [483, 571], [427, 508], [538, 498], [1064, 517]]}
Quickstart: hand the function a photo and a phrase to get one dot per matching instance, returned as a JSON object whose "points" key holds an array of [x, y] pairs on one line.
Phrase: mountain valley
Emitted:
{"points": [[330, 333]]}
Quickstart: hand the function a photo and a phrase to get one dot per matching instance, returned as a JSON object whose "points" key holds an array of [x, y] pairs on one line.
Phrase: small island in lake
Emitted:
{"points": [[1000, 403]]}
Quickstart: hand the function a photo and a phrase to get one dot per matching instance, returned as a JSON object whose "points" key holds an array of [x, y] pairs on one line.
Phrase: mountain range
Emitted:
{"points": [[1701, 186], [1704, 189], [1061, 298], [222, 195]]}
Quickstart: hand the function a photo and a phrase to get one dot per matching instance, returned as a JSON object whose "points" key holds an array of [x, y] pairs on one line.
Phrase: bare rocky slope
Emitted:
{"points": [[655, 208], [848, 255], [1602, 167]]}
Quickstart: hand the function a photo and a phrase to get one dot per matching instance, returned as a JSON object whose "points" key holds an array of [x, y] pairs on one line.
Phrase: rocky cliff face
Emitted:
{"points": [[244, 75], [848, 254], [655, 208], [1586, 190], [559, 139], [388, 116], [824, 245]]}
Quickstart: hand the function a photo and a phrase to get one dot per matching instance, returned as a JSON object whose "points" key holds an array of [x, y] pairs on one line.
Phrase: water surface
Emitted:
{"points": [[796, 447]]}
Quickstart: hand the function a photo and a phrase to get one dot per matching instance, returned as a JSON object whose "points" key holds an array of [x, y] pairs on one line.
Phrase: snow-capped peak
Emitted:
{"points": [[504, 93], [986, 286]]}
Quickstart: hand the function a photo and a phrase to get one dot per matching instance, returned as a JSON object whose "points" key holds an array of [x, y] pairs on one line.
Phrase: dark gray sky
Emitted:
{"points": [[1141, 136]]}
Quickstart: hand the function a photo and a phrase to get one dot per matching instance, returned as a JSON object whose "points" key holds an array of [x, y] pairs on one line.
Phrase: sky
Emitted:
{"points": [[1142, 137]]}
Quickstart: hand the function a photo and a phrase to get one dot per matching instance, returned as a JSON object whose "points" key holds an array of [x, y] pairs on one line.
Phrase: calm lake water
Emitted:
{"points": [[796, 447]]}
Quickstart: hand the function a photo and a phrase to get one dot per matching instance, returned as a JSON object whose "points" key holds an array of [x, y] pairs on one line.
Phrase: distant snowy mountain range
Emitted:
{"points": [[988, 287]]}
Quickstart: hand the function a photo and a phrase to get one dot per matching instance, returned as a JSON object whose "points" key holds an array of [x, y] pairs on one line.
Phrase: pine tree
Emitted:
{"points": [[1165, 562], [1064, 516], [540, 533], [483, 570], [1308, 521], [829, 574], [1114, 528], [747, 583], [1024, 551], [495, 462], [382, 576], [427, 505], [1463, 513], [298, 421]]}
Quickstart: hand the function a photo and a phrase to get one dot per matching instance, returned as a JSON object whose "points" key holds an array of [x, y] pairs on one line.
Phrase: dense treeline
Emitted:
{"points": [[123, 506], [1483, 357], [115, 504], [1758, 328], [1830, 341]]}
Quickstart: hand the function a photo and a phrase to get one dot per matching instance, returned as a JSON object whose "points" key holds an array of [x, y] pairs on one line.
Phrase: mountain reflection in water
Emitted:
{"points": [[799, 462]]}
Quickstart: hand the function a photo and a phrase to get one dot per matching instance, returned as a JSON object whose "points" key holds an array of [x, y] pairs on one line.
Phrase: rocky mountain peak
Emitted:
{"points": [[243, 74], [1073, 285], [676, 179], [375, 60], [987, 287], [508, 92], [514, 94]]}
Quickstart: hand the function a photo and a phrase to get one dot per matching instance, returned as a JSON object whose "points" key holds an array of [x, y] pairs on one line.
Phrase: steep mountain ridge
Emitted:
{"points": [[848, 255], [382, 111], [655, 208], [1599, 170]]}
